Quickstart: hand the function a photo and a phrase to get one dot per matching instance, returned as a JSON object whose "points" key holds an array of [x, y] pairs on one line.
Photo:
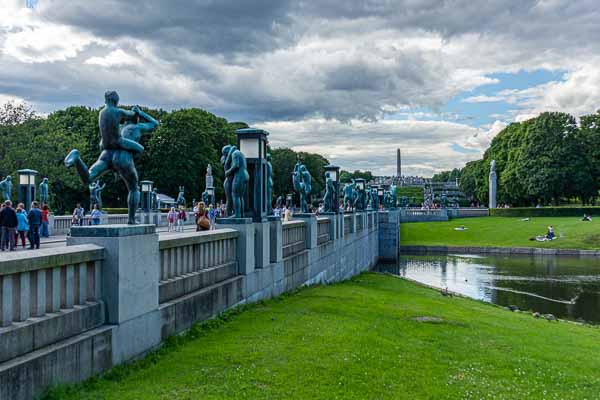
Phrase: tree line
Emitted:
{"points": [[545, 160], [176, 154]]}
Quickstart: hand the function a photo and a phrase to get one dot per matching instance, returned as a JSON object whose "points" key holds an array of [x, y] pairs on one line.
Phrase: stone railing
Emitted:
{"points": [[62, 223], [468, 212], [323, 231], [348, 223], [294, 237], [359, 221], [48, 280], [190, 261], [419, 215]]}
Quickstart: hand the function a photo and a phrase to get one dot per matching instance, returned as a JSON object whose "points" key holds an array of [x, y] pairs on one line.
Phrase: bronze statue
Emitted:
{"points": [[328, 200], [236, 180], [118, 144], [301, 180], [6, 187]]}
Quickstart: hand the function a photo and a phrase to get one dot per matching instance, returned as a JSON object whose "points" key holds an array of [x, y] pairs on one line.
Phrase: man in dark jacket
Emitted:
{"points": [[35, 221], [8, 225]]}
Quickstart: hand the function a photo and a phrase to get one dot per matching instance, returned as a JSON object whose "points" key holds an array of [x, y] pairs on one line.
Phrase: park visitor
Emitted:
{"points": [[8, 227], [95, 215], [202, 221], [181, 218], [35, 221], [171, 216], [212, 216], [45, 221], [550, 234], [78, 215], [587, 218], [22, 226]]}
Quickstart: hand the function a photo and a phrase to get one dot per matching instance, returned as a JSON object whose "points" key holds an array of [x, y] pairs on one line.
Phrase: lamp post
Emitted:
{"points": [[253, 144], [360, 188], [147, 195], [288, 201], [334, 174], [380, 194], [26, 186]]}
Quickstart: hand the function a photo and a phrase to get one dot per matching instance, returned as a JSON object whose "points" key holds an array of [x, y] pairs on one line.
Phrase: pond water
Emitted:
{"points": [[568, 287]]}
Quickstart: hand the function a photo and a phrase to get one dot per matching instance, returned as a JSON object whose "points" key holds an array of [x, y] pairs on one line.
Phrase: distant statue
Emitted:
{"points": [[119, 143], [95, 196], [394, 193], [349, 195], [301, 181], [6, 187], [236, 180], [154, 199], [279, 202], [269, 194], [180, 196], [328, 199], [44, 191], [493, 184], [376, 199], [209, 178], [205, 198], [387, 199]]}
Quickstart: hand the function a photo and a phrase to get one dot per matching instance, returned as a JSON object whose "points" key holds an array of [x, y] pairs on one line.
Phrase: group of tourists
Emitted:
{"points": [[78, 216], [18, 224]]}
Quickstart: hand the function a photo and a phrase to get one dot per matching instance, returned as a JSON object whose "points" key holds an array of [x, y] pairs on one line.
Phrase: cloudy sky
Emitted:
{"points": [[352, 80]]}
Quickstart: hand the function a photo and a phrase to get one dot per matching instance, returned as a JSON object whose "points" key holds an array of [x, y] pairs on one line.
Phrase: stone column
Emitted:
{"points": [[245, 241], [389, 235], [275, 239], [493, 185], [310, 223], [340, 225], [130, 278], [262, 247], [332, 224]]}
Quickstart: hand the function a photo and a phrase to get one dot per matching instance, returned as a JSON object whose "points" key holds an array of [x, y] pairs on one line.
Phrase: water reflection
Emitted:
{"points": [[567, 287]]}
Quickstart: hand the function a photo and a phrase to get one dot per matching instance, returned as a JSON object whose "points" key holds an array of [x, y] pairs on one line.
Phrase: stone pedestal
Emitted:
{"points": [[262, 248], [310, 221], [493, 189], [130, 271], [245, 241], [333, 230], [340, 225], [389, 235], [275, 239]]}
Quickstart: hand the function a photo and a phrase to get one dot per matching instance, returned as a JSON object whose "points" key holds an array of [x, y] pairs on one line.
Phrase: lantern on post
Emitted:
{"points": [[334, 174], [253, 144], [147, 187], [26, 186], [211, 195], [380, 193]]}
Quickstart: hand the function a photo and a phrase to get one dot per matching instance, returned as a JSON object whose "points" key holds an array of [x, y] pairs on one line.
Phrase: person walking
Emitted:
{"points": [[45, 221], [22, 225], [181, 218], [212, 216], [8, 226], [171, 216], [95, 215], [35, 221]]}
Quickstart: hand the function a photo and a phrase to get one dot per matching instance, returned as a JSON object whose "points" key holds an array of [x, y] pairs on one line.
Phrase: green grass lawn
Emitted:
{"points": [[360, 340], [503, 232]]}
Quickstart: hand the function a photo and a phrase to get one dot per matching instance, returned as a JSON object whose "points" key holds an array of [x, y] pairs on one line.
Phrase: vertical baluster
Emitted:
{"points": [[70, 286], [97, 280], [24, 296], [7, 301], [171, 262], [56, 289], [82, 283], [39, 307]]}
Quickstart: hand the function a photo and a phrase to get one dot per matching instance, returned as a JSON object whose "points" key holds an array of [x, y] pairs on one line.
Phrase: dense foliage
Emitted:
{"points": [[346, 176], [176, 154], [543, 160]]}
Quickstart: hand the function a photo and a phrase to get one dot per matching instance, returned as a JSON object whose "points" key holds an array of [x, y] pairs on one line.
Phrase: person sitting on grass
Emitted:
{"points": [[460, 228], [587, 218], [550, 233]]}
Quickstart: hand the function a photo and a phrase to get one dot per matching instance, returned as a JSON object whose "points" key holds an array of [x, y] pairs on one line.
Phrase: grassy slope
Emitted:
{"points": [[504, 232], [358, 340]]}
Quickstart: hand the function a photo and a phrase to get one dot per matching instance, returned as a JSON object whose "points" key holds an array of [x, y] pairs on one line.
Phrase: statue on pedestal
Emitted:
{"points": [[154, 199], [328, 200], [269, 194], [180, 196], [493, 184], [95, 196], [6, 187], [236, 180], [209, 178], [301, 180], [349, 195], [44, 191], [205, 198], [394, 193], [119, 142]]}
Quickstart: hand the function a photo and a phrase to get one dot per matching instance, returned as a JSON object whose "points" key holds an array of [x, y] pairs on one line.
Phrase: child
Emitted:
{"points": [[171, 216]]}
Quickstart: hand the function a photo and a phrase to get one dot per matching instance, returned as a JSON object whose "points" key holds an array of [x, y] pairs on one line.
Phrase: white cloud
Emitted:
{"points": [[114, 58]]}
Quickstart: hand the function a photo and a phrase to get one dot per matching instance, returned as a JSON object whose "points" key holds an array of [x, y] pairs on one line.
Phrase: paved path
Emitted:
{"points": [[61, 240]]}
